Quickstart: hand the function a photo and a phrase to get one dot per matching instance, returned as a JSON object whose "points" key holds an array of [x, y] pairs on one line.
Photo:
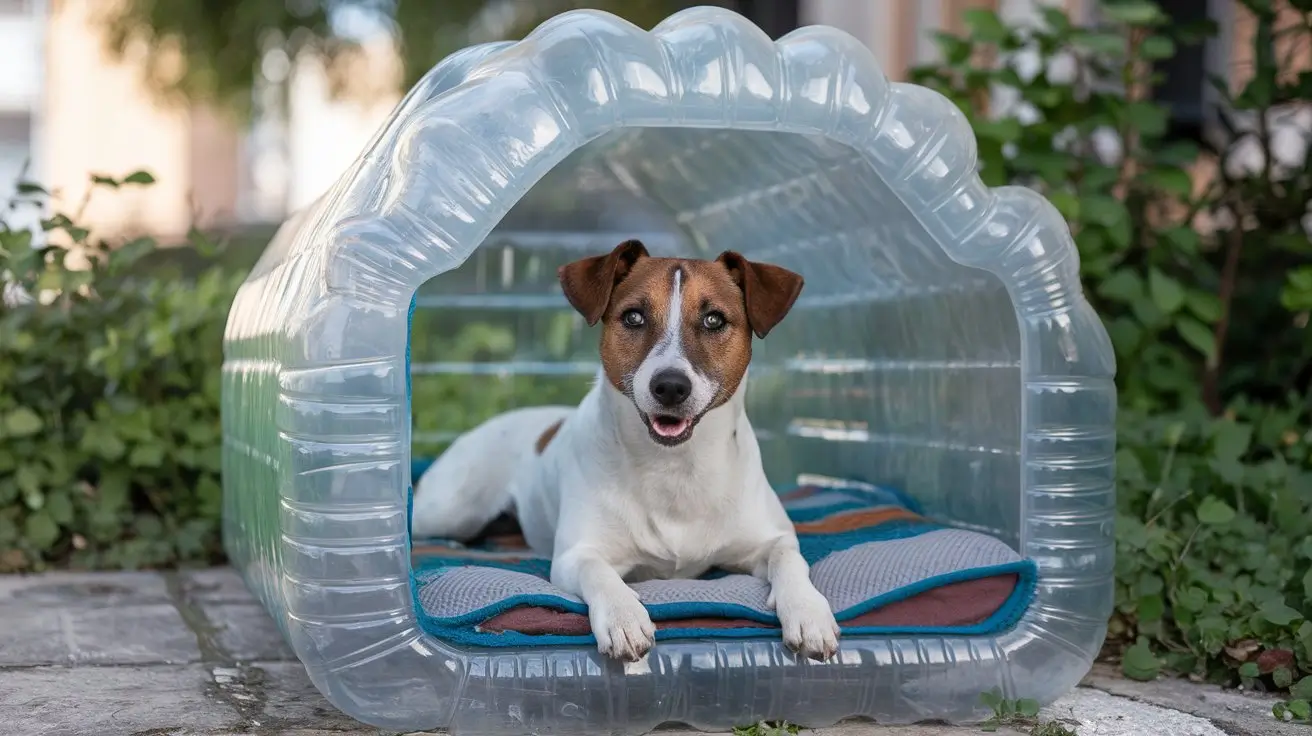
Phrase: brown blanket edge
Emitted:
{"points": [[956, 604]]}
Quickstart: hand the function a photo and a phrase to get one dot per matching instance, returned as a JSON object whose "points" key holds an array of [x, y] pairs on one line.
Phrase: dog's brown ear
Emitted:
{"points": [[768, 290], [589, 282]]}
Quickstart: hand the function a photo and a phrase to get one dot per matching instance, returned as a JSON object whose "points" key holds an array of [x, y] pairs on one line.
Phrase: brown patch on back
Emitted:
{"points": [[545, 438]]}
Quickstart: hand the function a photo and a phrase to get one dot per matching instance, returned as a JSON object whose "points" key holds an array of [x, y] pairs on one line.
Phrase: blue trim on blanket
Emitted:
{"points": [[410, 487], [461, 629]]}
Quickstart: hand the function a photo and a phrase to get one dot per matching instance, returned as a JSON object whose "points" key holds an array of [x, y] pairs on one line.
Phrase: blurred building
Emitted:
{"points": [[70, 109]]}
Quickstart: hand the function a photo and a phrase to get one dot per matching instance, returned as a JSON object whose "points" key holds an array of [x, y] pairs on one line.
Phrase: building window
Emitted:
{"points": [[1185, 88], [15, 149]]}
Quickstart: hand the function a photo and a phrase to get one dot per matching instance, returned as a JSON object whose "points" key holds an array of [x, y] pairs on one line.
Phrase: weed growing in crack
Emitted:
{"points": [[1022, 713]]}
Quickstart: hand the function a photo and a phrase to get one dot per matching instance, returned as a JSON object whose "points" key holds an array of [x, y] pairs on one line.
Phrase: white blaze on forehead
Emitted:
{"points": [[668, 354], [671, 344]]}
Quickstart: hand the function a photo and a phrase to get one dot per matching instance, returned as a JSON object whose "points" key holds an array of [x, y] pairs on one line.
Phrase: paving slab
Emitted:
{"points": [[1233, 711], [109, 701], [192, 654], [244, 632], [114, 618], [215, 585]]}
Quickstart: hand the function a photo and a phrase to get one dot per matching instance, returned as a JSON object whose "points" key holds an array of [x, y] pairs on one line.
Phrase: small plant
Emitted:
{"points": [[768, 728], [1022, 713], [1299, 707]]}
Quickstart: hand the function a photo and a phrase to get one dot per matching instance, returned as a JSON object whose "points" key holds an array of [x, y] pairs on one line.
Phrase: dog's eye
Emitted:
{"points": [[713, 321], [633, 318]]}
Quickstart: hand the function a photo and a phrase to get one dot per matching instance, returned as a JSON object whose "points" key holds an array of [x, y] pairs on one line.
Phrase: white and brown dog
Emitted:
{"points": [[657, 472]]}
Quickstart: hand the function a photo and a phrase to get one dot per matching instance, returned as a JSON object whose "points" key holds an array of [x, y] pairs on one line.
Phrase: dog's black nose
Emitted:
{"points": [[671, 387]]}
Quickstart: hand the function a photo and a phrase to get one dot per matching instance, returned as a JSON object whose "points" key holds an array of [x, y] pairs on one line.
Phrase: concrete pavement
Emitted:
{"points": [[191, 653]]}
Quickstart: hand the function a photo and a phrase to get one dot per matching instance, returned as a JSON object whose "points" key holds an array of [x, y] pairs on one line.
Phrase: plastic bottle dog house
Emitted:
{"points": [[942, 346]]}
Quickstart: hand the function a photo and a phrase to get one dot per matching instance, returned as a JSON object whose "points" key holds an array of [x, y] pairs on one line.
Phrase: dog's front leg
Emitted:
{"points": [[808, 622], [619, 621]]}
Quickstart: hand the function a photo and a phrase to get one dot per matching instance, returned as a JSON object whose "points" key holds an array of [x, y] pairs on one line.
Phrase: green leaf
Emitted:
{"points": [[1151, 608], [1167, 293], [102, 441], [985, 25], [955, 50], [1027, 707], [1124, 286], [22, 422], [1148, 118], [1231, 440], [1302, 689], [60, 508], [1215, 512], [1204, 304], [1249, 670], [1276, 612], [146, 456], [992, 699], [1157, 47], [1104, 210], [1307, 586], [1178, 154], [139, 177], [1066, 203], [1170, 180], [1198, 336], [104, 181], [40, 530], [1140, 663], [1004, 130], [1055, 18], [1301, 709], [1283, 677], [1132, 12], [122, 257], [1109, 44], [27, 187]]}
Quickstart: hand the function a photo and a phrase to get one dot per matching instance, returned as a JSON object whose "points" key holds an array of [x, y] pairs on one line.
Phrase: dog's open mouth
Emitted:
{"points": [[668, 429]]}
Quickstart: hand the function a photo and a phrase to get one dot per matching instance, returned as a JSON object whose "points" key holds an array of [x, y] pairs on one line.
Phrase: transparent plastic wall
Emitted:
{"points": [[942, 344]]}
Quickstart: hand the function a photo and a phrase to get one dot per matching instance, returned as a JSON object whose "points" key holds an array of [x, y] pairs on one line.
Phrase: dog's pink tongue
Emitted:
{"points": [[666, 427]]}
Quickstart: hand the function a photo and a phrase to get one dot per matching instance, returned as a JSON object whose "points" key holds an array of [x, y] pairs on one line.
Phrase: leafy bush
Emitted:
{"points": [[109, 407], [1198, 264]]}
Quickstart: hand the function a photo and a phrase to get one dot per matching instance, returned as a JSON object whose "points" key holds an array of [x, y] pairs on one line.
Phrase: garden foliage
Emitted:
{"points": [[1196, 253], [109, 397]]}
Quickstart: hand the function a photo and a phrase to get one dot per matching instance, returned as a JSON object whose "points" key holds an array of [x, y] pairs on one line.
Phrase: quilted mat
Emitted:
{"points": [[884, 568]]}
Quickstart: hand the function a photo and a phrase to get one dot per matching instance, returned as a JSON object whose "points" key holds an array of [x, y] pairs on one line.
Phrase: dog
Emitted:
{"points": [[657, 472]]}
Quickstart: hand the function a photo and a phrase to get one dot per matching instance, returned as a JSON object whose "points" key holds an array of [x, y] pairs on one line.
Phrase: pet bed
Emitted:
{"points": [[884, 568], [942, 346]]}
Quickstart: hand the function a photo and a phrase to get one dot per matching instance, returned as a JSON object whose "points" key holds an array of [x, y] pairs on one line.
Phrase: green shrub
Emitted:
{"points": [[109, 400], [1204, 286]]}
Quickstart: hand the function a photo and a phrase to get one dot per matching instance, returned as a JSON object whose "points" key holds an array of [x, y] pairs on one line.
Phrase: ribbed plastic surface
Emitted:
{"points": [[942, 344]]}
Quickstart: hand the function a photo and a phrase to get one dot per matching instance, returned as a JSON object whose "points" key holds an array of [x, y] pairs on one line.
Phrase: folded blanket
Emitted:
{"points": [[884, 568]]}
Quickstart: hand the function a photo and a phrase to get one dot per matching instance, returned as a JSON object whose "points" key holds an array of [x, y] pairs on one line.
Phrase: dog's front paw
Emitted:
{"points": [[808, 623], [623, 628]]}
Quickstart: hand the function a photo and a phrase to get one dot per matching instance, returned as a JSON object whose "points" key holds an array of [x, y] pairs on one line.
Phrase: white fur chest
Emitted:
{"points": [[673, 511]]}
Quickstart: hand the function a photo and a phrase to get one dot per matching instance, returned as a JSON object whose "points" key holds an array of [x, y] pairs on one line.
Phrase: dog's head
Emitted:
{"points": [[677, 333]]}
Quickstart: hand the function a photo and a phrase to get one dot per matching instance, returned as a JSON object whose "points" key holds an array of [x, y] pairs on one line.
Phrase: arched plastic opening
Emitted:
{"points": [[942, 346]]}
